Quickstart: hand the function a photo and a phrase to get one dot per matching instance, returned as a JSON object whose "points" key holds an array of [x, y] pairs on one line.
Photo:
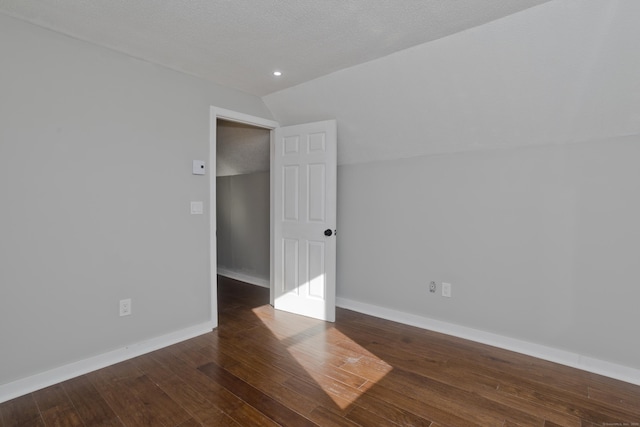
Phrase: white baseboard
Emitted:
{"points": [[563, 357], [253, 280], [45, 379]]}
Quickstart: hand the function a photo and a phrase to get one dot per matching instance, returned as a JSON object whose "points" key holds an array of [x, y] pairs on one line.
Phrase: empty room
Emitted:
{"points": [[319, 213]]}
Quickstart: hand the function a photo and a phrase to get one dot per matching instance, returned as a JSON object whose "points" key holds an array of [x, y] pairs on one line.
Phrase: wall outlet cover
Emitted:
{"points": [[125, 307]]}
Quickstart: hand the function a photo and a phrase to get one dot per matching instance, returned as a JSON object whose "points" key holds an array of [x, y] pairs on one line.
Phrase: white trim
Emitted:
{"points": [[563, 357], [54, 376], [252, 280], [213, 224], [272, 270], [234, 116]]}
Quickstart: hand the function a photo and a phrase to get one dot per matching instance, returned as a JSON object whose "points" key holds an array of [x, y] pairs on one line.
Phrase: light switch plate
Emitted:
{"points": [[197, 208], [446, 290], [199, 167]]}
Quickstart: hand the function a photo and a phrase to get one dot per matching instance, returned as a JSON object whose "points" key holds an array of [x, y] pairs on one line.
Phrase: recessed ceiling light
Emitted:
{"points": [[277, 73]]}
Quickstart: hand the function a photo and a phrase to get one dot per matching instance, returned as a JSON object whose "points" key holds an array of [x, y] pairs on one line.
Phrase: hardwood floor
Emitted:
{"points": [[267, 368]]}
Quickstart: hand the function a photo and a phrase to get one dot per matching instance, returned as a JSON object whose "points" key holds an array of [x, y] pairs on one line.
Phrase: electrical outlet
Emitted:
{"points": [[432, 287], [125, 307], [446, 290]]}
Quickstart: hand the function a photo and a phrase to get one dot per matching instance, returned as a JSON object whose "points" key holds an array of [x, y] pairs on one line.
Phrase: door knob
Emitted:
{"points": [[328, 232]]}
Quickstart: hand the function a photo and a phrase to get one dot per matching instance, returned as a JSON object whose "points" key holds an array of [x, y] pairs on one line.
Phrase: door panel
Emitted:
{"points": [[290, 265], [290, 193], [316, 183], [317, 285], [304, 171]]}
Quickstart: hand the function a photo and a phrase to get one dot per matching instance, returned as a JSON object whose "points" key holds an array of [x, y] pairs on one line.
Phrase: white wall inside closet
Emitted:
{"points": [[242, 188]]}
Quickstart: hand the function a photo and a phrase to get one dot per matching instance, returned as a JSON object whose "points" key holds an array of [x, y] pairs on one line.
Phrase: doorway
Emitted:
{"points": [[242, 202], [303, 183], [242, 141]]}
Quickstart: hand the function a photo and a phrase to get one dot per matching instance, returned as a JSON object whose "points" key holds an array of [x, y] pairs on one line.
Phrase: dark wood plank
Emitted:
{"points": [[410, 411], [273, 389], [62, 416], [155, 399], [326, 418], [201, 408], [117, 392], [256, 360], [584, 409], [56, 408], [21, 411], [363, 417], [387, 411], [254, 397], [622, 399], [236, 408], [378, 399], [193, 423], [91, 407], [314, 391], [51, 397]]}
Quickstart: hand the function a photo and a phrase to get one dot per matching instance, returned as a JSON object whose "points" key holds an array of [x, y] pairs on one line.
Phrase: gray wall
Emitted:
{"points": [[540, 244], [95, 185], [243, 224], [504, 160]]}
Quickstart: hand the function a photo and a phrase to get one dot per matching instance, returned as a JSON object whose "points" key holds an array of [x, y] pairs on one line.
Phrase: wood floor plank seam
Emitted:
{"points": [[230, 404], [254, 397]]}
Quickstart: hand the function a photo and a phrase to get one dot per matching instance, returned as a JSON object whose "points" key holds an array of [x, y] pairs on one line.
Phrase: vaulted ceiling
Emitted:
{"points": [[240, 43]]}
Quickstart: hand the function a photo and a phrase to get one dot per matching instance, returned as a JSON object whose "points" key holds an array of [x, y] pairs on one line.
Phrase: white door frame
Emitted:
{"points": [[234, 116]]}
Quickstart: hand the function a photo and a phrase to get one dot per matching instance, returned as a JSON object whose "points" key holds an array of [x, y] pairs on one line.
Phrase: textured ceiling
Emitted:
{"points": [[238, 43]]}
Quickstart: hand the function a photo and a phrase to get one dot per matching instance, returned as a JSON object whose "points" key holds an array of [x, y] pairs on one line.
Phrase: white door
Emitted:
{"points": [[304, 243]]}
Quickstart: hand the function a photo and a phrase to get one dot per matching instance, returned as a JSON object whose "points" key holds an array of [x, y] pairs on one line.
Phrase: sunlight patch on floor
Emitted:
{"points": [[338, 365]]}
